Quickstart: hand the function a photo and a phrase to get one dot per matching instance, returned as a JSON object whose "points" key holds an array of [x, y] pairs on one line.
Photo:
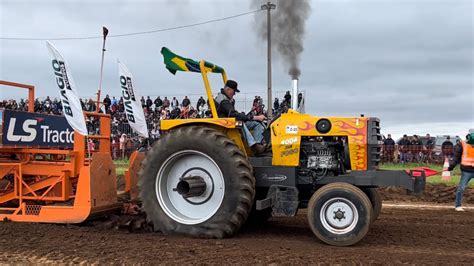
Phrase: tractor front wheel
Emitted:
{"points": [[339, 214]]}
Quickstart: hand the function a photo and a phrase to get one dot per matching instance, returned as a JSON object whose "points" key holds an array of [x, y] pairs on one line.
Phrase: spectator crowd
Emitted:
{"points": [[416, 149], [124, 140]]}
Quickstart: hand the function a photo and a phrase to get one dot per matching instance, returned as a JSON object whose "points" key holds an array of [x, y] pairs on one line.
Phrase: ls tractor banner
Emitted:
{"points": [[35, 130]]}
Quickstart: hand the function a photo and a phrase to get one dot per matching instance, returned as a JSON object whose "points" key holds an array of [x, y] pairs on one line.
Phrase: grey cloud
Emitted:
{"points": [[406, 62]]}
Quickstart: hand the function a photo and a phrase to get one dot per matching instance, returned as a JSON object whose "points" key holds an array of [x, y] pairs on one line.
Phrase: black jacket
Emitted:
{"points": [[186, 102], [404, 142], [149, 103], [200, 102], [225, 108], [457, 160], [447, 144], [429, 144], [158, 102], [276, 104], [107, 101], [390, 142]]}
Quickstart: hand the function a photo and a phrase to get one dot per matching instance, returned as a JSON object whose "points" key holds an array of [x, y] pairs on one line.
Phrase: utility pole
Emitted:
{"points": [[269, 6]]}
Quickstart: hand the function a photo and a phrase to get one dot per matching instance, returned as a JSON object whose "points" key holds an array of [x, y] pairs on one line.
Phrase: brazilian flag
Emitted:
{"points": [[175, 63]]}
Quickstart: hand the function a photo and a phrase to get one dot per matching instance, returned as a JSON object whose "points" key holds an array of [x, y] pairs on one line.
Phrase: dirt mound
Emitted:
{"points": [[124, 222], [434, 193]]}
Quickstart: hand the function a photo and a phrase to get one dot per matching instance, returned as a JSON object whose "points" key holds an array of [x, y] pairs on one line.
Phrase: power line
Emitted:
{"points": [[131, 33]]}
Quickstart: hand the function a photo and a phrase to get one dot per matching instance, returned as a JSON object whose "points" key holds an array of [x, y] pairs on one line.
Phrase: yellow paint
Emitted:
{"points": [[222, 122], [286, 149], [294, 124], [212, 104], [225, 125], [234, 134], [286, 131]]}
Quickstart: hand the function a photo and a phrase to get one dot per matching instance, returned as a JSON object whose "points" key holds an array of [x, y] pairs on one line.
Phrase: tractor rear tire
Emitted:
{"points": [[220, 202], [376, 200], [339, 214]]}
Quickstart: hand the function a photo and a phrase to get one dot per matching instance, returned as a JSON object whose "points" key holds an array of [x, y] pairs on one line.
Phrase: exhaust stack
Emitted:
{"points": [[294, 96]]}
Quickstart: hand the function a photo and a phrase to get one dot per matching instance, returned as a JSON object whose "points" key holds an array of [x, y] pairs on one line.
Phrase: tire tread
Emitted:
{"points": [[220, 225]]}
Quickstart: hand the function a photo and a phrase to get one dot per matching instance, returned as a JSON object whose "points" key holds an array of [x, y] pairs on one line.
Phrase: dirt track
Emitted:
{"points": [[399, 236]]}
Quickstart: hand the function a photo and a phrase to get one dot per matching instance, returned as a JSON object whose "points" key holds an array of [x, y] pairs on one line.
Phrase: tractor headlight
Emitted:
{"points": [[239, 123]]}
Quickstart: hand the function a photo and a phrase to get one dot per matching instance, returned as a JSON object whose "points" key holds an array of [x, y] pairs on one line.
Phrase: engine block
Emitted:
{"points": [[321, 157]]}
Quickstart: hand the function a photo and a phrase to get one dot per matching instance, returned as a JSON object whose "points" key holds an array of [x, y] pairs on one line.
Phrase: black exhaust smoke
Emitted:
{"points": [[287, 30]]}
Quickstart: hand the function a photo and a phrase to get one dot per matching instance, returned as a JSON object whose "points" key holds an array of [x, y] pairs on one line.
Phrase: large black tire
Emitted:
{"points": [[238, 180], [334, 203], [376, 200]]}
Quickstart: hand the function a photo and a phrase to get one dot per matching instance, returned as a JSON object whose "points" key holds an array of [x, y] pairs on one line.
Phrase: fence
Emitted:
{"points": [[415, 154], [124, 128]]}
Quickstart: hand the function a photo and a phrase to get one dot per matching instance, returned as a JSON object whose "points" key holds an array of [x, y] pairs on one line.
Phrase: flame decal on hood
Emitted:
{"points": [[351, 129], [308, 126]]}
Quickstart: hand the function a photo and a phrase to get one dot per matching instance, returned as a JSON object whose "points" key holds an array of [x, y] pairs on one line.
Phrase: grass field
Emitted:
{"points": [[122, 165], [436, 179]]}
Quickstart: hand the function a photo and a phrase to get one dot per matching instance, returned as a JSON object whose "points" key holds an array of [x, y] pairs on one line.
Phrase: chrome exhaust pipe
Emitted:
{"points": [[294, 96]]}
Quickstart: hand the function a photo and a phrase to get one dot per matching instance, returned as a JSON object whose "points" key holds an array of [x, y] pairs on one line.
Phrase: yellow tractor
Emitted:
{"points": [[200, 178]]}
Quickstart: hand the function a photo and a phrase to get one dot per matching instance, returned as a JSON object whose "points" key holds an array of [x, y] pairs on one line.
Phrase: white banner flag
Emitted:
{"points": [[131, 101], [67, 89]]}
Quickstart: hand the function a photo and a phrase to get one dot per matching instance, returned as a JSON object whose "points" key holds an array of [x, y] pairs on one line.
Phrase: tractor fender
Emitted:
{"points": [[229, 126]]}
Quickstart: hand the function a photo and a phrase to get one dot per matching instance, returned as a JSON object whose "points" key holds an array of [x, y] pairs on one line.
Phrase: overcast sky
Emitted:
{"points": [[410, 63]]}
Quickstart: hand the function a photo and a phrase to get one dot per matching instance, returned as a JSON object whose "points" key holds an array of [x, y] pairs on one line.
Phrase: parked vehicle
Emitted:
{"points": [[437, 152]]}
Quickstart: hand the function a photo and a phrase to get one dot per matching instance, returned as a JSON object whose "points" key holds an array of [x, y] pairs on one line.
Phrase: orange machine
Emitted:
{"points": [[56, 185], [131, 174]]}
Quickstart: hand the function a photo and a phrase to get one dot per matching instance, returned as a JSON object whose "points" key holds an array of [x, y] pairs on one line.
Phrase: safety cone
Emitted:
{"points": [[446, 175]]}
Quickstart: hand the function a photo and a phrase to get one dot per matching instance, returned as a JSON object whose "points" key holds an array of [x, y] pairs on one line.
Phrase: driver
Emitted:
{"points": [[225, 108]]}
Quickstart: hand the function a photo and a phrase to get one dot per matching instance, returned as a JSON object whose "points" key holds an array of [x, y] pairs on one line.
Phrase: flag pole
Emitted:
{"points": [[105, 31]]}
